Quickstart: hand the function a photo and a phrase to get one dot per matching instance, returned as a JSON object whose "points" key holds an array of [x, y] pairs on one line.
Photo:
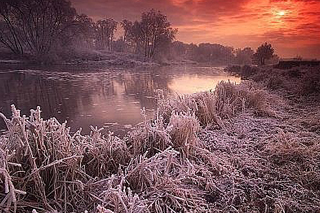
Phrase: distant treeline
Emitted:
{"points": [[218, 54], [46, 28]]}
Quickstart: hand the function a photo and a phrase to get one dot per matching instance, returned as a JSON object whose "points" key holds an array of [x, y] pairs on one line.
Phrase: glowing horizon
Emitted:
{"points": [[291, 26]]}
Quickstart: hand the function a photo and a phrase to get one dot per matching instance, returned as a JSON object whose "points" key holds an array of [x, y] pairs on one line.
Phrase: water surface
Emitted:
{"points": [[112, 99]]}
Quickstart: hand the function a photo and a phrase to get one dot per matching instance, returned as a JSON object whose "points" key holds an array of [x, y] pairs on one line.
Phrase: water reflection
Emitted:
{"points": [[109, 98]]}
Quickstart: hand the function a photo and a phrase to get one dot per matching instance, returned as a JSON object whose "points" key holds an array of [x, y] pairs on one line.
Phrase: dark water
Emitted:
{"points": [[112, 99]]}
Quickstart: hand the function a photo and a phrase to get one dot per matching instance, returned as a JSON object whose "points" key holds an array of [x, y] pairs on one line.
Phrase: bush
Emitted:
{"points": [[247, 71], [236, 69], [311, 82], [244, 71]]}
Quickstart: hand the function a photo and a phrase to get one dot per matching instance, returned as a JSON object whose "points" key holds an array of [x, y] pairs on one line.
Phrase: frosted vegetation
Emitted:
{"points": [[239, 148]]}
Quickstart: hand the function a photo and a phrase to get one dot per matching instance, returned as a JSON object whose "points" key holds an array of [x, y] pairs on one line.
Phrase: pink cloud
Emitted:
{"points": [[225, 21]]}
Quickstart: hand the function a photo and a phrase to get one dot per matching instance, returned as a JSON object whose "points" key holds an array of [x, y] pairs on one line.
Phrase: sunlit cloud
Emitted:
{"points": [[226, 22]]}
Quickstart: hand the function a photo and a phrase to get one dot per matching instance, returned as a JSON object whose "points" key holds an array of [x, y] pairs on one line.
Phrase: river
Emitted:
{"points": [[109, 98]]}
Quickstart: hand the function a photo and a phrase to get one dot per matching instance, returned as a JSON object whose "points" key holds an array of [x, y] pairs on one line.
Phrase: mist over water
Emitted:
{"points": [[112, 99]]}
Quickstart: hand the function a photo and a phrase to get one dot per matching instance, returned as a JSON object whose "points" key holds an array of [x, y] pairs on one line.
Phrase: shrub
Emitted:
{"points": [[247, 71], [244, 71], [236, 69], [311, 82]]}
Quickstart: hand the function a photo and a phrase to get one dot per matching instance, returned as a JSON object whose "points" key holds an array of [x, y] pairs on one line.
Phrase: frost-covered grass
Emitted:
{"points": [[303, 80], [236, 149]]}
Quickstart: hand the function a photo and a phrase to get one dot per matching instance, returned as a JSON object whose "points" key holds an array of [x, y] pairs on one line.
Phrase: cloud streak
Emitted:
{"points": [[237, 23]]}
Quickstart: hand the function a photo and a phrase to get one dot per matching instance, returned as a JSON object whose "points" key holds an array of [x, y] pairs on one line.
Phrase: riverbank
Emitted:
{"points": [[95, 58], [252, 147], [83, 58]]}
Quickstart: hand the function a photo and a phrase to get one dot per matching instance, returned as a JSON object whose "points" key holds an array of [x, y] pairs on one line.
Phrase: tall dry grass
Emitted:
{"points": [[161, 166], [48, 167], [226, 101]]}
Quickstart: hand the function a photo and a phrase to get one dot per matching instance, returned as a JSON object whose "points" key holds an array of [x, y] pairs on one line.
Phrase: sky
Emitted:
{"points": [[291, 26]]}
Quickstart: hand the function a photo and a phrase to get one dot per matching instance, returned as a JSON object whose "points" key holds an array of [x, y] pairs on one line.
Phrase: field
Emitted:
{"points": [[251, 147]]}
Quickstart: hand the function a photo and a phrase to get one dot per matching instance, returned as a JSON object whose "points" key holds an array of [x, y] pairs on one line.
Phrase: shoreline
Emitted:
{"points": [[247, 147]]}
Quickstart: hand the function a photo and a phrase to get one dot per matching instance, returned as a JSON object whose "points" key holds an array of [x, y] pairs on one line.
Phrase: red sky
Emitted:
{"points": [[291, 26]]}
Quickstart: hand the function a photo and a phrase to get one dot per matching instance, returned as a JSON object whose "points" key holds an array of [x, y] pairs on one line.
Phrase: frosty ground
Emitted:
{"points": [[253, 147]]}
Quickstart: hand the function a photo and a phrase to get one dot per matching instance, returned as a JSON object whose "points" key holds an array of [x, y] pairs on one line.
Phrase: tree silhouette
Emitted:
{"points": [[150, 34], [263, 53], [244, 56], [105, 30], [34, 25]]}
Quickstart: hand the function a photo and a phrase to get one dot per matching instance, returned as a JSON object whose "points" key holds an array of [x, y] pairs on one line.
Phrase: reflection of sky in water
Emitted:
{"points": [[111, 111], [110, 99], [188, 84]]}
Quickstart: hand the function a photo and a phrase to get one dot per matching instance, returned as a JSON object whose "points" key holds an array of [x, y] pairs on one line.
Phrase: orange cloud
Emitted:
{"points": [[292, 26]]}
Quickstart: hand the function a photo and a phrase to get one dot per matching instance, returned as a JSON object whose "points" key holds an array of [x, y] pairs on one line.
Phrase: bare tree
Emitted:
{"points": [[34, 25], [10, 34]]}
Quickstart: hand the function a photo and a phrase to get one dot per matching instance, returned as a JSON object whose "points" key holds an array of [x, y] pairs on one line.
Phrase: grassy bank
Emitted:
{"points": [[241, 148]]}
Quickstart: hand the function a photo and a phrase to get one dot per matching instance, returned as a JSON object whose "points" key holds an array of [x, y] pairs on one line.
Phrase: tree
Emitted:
{"points": [[264, 52], [178, 50], [126, 25], [84, 30], [244, 56], [119, 45], [150, 35], [105, 30], [10, 34], [34, 25]]}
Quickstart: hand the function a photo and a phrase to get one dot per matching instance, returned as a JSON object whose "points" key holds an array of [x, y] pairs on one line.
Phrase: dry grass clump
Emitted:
{"points": [[226, 101], [203, 105], [151, 137], [184, 103], [103, 155], [177, 120], [275, 82], [162, 181], [157, 135], [44, 167], [183, 129], [312, 122], [48, 167], [114, 196], [156, 184], [231, 99], [206, 109]]}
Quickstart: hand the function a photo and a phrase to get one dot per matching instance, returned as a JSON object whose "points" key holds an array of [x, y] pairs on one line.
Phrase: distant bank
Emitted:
{"points": [[287, 64]]}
